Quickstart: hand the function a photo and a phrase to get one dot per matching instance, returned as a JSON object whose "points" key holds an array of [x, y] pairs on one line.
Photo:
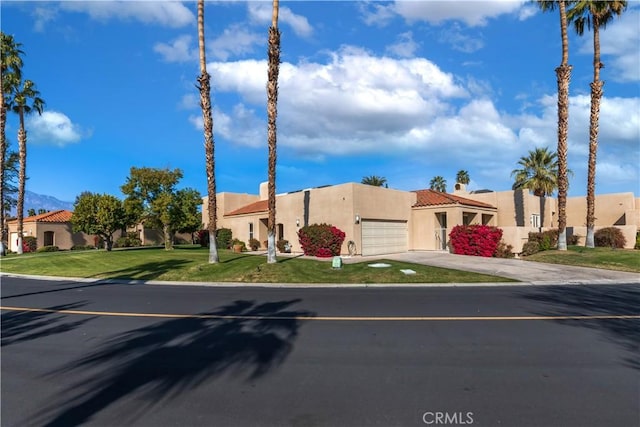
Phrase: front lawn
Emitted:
{"points": [[189, 263], [607, 258]]}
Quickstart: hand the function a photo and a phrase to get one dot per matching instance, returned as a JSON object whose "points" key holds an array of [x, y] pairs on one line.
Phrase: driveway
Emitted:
{"points": [[525, 271]]}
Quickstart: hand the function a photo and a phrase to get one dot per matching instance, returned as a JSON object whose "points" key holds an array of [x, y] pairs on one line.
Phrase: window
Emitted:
{"points": [[250, 230], [535, 220], [280, 231]]}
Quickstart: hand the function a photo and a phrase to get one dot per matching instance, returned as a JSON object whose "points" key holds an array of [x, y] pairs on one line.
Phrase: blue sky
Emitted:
{"points": [[403, 90]]}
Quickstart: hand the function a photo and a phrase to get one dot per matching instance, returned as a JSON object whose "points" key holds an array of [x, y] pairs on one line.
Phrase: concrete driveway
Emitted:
{"points": [[526, 271]]}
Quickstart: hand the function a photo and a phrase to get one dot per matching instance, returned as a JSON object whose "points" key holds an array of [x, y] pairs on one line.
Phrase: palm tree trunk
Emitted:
{"points": [[3, 155], [563, 73], [209, 145], [596, 96], [272, 112], [22, 175]]}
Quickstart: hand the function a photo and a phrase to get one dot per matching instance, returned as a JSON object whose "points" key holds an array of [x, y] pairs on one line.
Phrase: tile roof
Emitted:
{"points": [[255, 207], [53, 216], [433, 198]]}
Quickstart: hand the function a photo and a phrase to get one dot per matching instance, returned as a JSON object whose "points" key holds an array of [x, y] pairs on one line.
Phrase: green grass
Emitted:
{"points": [[607, 258], [190, 264]]}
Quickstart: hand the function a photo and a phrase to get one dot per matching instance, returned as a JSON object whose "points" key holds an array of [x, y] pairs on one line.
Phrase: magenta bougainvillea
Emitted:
{"points": [[478, 240], [321, 240]]}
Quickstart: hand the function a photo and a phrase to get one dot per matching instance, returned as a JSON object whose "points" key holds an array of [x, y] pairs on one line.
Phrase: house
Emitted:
{"points": [[55, 229], [380, 220], [50, 229]]}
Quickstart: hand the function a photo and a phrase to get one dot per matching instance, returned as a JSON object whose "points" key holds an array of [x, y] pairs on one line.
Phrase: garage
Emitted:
{"points": [[383, 237]]}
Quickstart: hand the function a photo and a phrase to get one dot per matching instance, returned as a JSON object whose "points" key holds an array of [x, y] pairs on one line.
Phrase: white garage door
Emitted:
{"points": [[383, 237]]}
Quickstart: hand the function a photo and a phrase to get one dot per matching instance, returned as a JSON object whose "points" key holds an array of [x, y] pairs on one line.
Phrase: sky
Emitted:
{"points": [[404, 90]]}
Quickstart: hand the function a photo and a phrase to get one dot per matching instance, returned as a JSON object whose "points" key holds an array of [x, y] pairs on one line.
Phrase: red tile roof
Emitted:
{"points": [[53, 216], [255, 207], [433, 198]]}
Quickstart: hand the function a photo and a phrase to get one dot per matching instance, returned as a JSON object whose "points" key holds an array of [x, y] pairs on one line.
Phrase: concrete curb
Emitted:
{"points": [[324, 285]]}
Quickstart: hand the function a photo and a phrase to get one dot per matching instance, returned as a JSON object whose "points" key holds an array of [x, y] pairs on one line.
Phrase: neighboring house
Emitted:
{"points": [[54, 229], [383, 220], [50, 229]]}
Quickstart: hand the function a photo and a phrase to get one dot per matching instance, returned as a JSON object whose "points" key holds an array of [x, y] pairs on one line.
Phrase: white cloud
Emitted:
{"points": [[374, 13], [54, 128], [405, 47], [235, 40], [473, 13], [179, 50], [619, 46], [260, 12], [455, 37], [165, 13], [42, 16]]}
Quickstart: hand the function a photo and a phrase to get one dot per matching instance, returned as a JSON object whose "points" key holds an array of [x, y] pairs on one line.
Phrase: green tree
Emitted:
{"points": [[596, 15], [187, 216], [462, 177], [99, 214], [204, 87], [26, 99], [9, 183], [438, 183], [376, 181], [273, 51], [153, 199], [538, 172], [563, 76], [31, 212], [10, 73]]}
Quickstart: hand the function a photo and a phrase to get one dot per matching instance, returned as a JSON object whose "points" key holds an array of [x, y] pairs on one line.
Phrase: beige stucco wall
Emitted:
{"points": [[516, 207], [63, 237], [611, 209]]}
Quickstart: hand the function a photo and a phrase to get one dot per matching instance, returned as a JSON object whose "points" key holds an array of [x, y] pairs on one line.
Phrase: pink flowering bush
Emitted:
{"points": [[478, 240], [321, 240]]}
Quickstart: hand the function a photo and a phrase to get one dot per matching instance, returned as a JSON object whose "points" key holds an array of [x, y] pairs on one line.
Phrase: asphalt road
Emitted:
{"points": [[116, 355]]}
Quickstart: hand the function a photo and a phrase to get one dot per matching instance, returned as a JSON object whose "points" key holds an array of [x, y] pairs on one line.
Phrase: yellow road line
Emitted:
{"points": [[323, 318]]}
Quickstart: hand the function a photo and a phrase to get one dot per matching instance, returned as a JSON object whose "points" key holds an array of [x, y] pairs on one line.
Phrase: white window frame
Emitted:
{"points": [[535, 220]]}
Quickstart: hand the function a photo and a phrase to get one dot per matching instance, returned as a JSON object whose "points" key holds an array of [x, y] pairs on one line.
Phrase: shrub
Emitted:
{"points": [[530, 248], [637, 245], [504, 251], [609, 237], [223, 238], [573, 240], [314, 237], [50, 248], [478, 240], [282, 246], [546, 240], [29, 244], [202, 236], [82, 247], [128, 241], [254, 244]]}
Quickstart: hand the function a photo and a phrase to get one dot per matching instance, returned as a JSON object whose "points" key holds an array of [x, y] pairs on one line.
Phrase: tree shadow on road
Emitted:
{"points": [[146, 271], [20, 326], [158, 362], [596, 301]]}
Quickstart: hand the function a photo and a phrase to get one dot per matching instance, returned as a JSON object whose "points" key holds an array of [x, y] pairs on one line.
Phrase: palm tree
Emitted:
{"points": [[563, 74], [376, 181], [463, 177], [594, 14], [272, 112], [10, 71], [209, 145], [438, 183], [539, 172], [25, 100]]}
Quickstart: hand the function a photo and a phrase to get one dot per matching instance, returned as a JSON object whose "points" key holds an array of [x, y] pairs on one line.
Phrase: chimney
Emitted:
{"points": [[460, 189], [264, 191]]}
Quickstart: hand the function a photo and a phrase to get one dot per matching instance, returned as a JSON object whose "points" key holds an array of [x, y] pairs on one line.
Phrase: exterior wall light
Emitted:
{"points": [[297, 222], [357, 219]]}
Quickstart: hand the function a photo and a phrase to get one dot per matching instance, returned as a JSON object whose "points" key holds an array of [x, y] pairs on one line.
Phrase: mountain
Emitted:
{"points": [[41, 201]]}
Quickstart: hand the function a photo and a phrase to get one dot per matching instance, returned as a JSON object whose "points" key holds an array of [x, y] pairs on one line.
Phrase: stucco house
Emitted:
{"points": [[50, 229], [383, 220]]}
